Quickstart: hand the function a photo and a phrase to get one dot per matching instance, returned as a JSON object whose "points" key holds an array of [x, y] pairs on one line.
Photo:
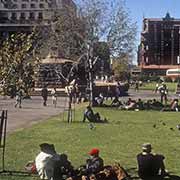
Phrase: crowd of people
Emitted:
{"points": [[139, 104], [50, 165]]}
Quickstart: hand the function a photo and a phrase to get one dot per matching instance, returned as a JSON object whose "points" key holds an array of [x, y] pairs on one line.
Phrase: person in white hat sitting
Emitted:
{"points": [[150, 166]]}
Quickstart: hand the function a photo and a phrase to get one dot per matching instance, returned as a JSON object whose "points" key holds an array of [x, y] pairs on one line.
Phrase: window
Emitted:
{"points": [[6, 6], [23, 6], [25, 0], [31, 15], [13, 16], [22, 16], [50, 5], [40, 15], [41, 5], [33, 5]]}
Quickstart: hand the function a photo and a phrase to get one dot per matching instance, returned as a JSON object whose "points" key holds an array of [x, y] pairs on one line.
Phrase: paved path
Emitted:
{"points": [[32, 111], [144, 94]]}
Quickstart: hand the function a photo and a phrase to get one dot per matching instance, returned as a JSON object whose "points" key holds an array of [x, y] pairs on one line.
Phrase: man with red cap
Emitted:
{"points": [[94, 164]]}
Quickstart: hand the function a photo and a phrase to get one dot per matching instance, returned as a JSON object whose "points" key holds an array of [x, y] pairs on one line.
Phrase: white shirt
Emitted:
{"points": [[45, 165]]}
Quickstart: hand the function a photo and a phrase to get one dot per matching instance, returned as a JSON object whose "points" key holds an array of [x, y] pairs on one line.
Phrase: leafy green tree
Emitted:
{"points": [[18, 60], [121, 68]]}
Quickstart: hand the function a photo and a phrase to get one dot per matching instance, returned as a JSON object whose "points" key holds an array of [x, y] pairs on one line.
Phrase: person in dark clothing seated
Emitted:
{"points": [[65, 167], [116, 102], [89, 114], [139, 104], [150, 166], [93, 165], [156, 105]]}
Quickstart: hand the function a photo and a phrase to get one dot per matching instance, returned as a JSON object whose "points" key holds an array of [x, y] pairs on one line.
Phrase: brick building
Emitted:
{"points": [[160, 45]]}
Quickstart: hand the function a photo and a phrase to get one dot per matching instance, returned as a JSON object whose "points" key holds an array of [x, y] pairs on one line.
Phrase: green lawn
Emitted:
{"points": [[119, 141], [151, 86]]}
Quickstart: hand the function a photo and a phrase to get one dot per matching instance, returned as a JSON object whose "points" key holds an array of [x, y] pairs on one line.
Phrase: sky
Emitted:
{"points": [[152, 9]]}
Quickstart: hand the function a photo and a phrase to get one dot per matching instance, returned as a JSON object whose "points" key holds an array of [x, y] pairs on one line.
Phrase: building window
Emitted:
{"points": [[25, 0], [33, 6], [34, 0], [13, 16], [23, 6], [31, 16], [50, 5], [22, 16], [41, 5], [40, 15], [6, 6]]}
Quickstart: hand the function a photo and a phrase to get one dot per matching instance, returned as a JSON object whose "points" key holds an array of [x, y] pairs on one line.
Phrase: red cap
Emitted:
{"points": [[94, 151]]}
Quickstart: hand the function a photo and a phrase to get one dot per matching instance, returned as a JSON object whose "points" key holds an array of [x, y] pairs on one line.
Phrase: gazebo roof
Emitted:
{"points": [[55, 60]]}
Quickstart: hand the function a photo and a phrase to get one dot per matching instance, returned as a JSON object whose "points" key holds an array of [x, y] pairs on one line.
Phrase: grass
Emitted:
{"points": [[151, 86], [119, 141]]}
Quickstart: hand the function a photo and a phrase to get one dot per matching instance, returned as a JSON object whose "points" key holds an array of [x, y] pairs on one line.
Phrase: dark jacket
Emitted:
{"points": [[44, 93], [94, 165], [149, 165]]}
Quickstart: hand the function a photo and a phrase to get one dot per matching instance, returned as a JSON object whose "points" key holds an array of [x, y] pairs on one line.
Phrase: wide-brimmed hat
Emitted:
{"points": [[146, 146], [45, 147]]}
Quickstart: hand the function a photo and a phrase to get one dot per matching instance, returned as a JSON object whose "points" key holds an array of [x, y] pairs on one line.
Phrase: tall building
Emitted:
{"points": [[160, 45], [17, 15]]}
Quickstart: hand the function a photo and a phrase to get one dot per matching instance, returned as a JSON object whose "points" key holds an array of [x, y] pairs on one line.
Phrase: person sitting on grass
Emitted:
{"points": [[51, 165], [173, 106], [98, 101], [92, 117], [150, 166], [156, 105], [139, 104], [93, 165], [116, 102], [131, 104]]}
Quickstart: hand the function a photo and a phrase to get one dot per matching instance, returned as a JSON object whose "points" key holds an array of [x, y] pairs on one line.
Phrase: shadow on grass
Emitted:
{"points": [[134, 175], [17, 174]]}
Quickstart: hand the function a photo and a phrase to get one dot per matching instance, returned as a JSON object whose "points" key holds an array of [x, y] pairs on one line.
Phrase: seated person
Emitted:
{"points": [[94, 164], [89, 114], [131, 104], [99, 100], [51, 165], [147, 104], [139, 104], [116, 102], [45, 161], [156, 103], [150, 166], [174, 105], [65, 167]]}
